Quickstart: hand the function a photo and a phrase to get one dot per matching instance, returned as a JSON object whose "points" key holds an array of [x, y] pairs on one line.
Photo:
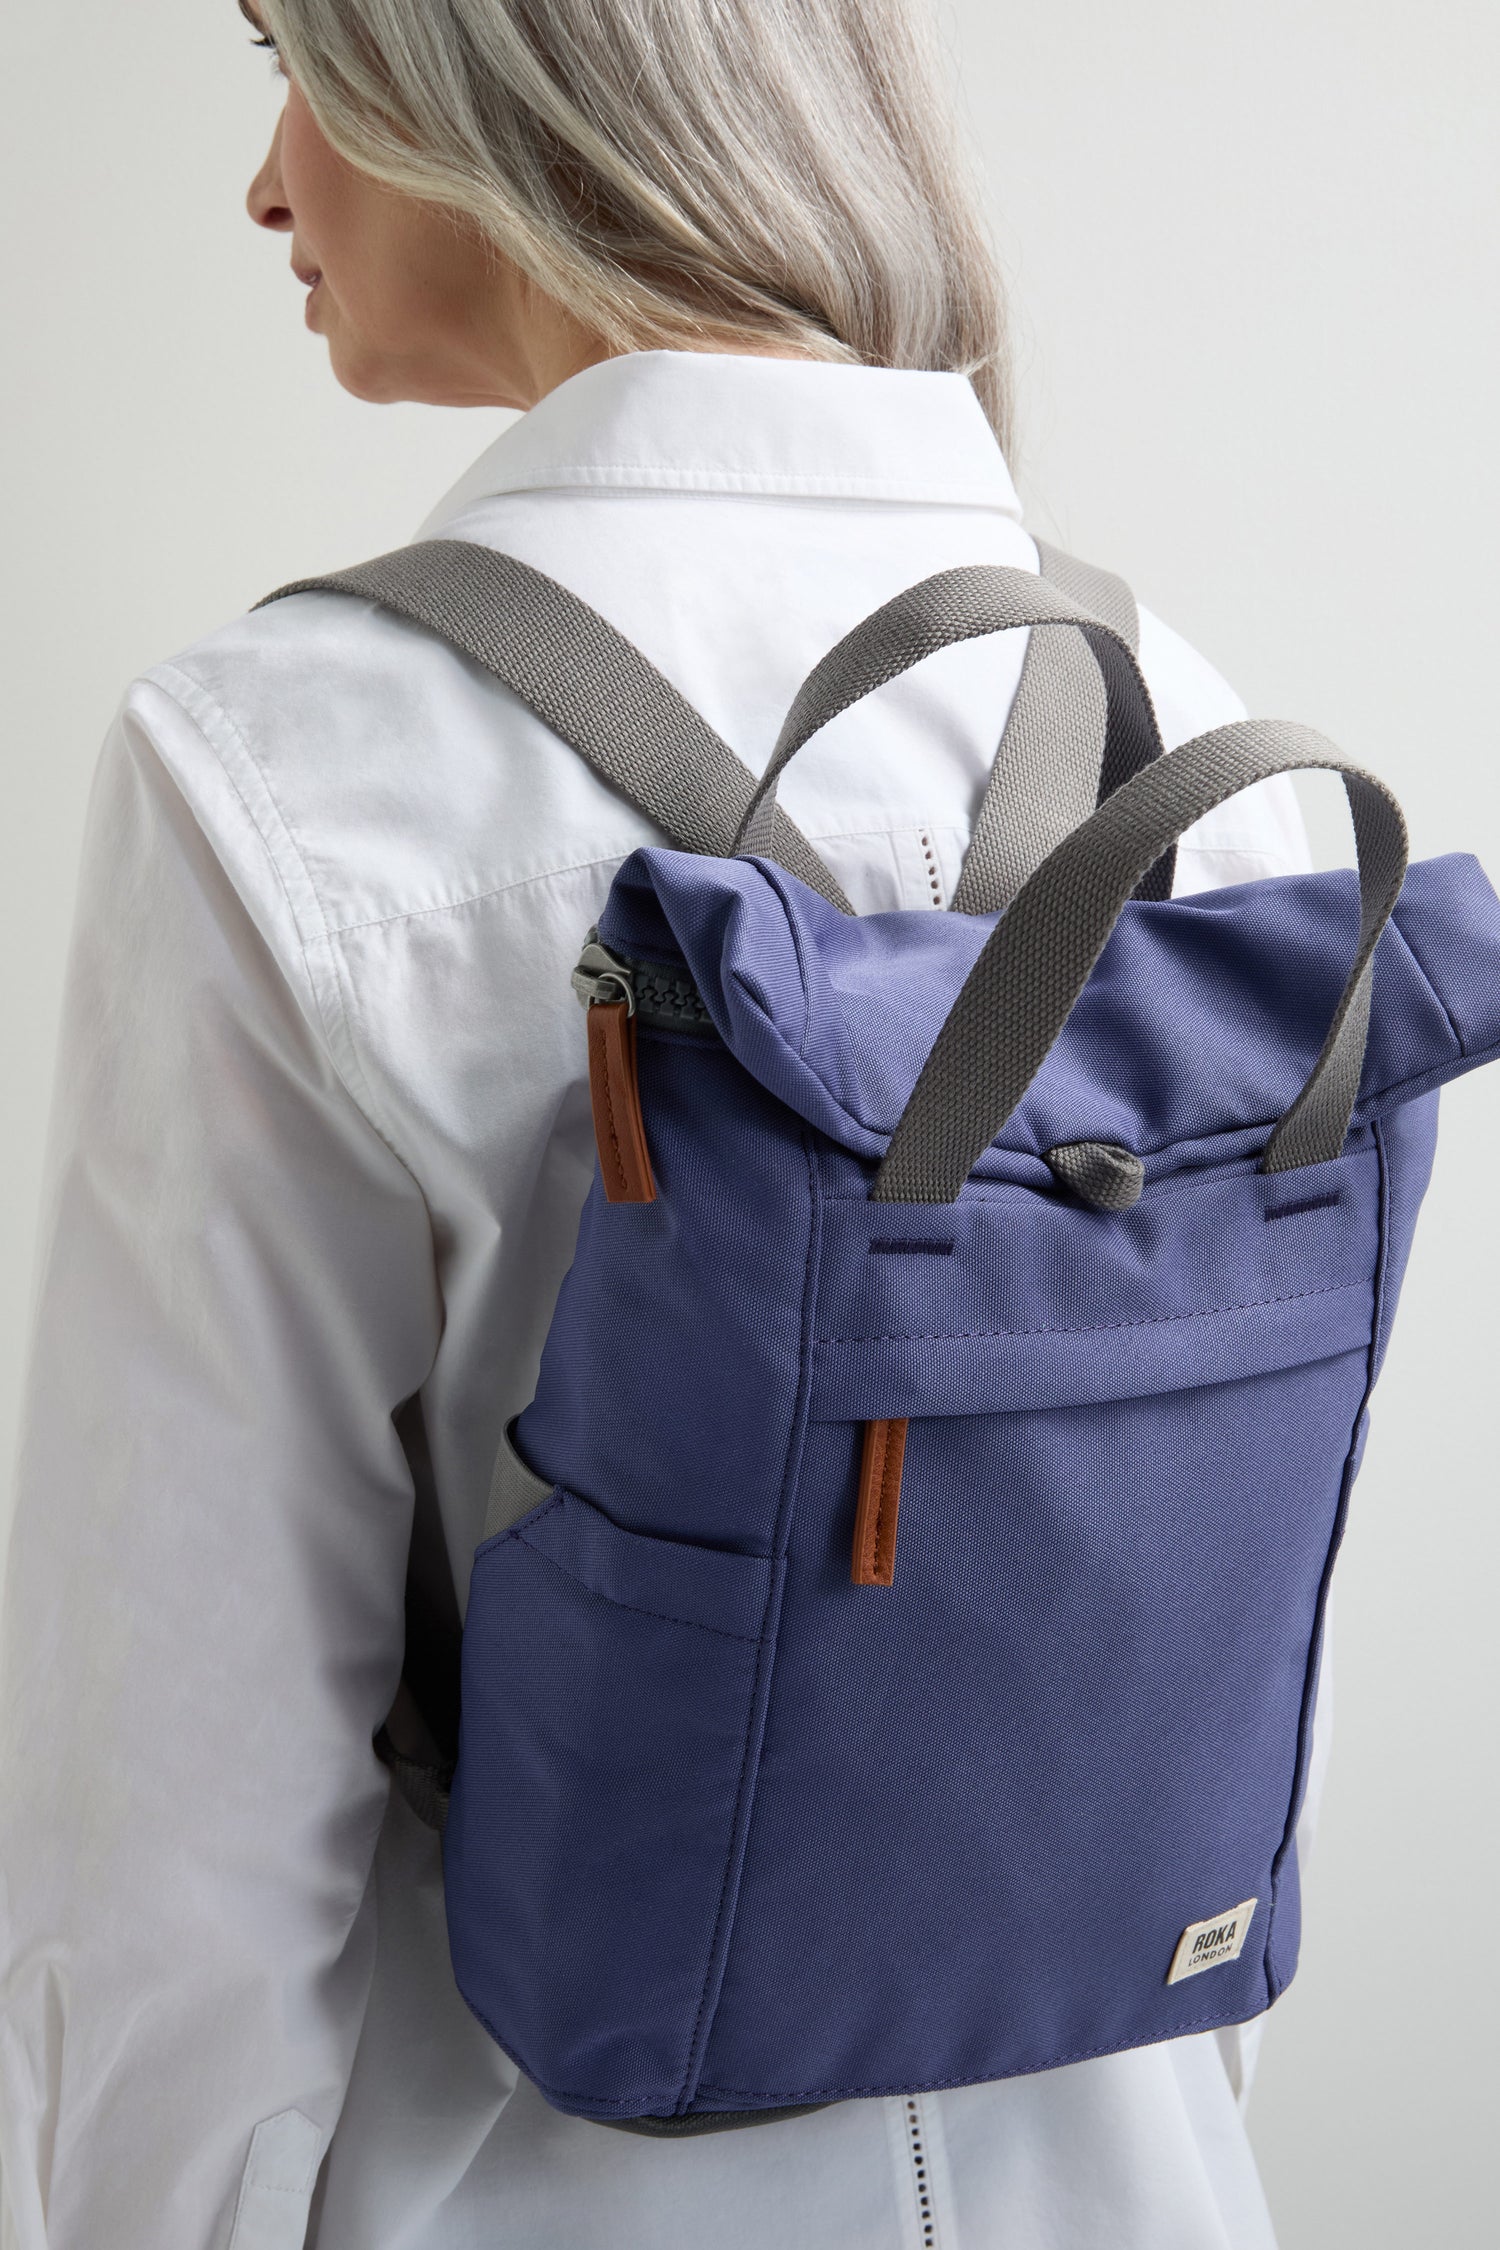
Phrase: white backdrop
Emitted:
{"points": [[1252, 258]]}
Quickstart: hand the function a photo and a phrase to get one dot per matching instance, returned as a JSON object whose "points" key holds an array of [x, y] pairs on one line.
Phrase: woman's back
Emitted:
{"points": [[335, 884]]}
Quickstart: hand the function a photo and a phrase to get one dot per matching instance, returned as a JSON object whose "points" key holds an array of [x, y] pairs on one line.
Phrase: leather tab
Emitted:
{"points": [[879, 1498], [615, 1091]]}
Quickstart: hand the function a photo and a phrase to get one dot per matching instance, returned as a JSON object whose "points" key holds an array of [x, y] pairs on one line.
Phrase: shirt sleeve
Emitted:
{"points": [[203, 1593]]}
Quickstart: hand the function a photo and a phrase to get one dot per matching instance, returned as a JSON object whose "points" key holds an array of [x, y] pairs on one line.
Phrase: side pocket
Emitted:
{"points": [[515, 1489], [1284, 1923], [608, 1734]]}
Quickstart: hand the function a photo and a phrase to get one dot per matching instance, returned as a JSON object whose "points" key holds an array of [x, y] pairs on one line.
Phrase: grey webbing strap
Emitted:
{"points": [[1100, 591], [1039, 957], [1109, 598], [584, 680], [1048, 768], [426, 1788], [953, 605], [1045, 778]]}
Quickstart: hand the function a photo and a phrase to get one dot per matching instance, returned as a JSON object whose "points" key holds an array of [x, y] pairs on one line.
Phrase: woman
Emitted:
{"points": [[321, 1134]]}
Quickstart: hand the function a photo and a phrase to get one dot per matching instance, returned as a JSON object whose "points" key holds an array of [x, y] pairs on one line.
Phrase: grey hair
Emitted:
{"points": [[678, 173]]}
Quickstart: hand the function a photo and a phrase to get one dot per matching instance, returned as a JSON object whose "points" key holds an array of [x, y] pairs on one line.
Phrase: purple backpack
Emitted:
{"points": [[891, 1661]]}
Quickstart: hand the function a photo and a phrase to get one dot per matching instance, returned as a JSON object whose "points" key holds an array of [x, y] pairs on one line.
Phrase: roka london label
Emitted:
{"points": [[1205, 1945]]}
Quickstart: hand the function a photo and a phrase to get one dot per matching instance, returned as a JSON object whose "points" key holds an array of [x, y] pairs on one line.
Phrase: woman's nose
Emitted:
{"points": [[266, 201]]}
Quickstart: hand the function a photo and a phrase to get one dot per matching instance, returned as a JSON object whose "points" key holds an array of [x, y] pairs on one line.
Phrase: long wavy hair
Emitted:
{"points": [[681, 173]]}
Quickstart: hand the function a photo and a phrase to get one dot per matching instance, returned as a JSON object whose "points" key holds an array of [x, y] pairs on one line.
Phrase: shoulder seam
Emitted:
{"points": [[196, 704], [610, 858], [219, 731]]}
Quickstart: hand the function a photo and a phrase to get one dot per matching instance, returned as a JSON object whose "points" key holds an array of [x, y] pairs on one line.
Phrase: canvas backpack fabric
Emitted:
{"points": [[891, 1659]]}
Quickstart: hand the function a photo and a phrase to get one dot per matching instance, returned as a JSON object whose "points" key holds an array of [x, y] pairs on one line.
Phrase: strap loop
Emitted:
{"points": [[1049, 769], [951, 606], [1037, 960]]}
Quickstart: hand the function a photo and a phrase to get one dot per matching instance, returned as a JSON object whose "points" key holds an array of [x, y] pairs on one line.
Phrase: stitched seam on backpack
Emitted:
{"points": [[882, 1493], [1307, 1712], [731, 1857], [588, 2101], [883, 1498], [935, 2085], [720, 1632], [1432, 988], [595, 2108], [777, 885], [1095, 1328], [890, 1497], [620, 1180], [703, 2031]]}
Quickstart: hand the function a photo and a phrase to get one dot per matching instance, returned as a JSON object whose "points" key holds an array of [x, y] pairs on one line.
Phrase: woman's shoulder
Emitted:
{"points": [[1261, 831], [385, 773], [388, 776], [1190, 695]]}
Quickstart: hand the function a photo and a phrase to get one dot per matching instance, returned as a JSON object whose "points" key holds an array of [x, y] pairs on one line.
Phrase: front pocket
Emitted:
{"points": [[609, 1717], [1038, 1302], [1067, 1732]]}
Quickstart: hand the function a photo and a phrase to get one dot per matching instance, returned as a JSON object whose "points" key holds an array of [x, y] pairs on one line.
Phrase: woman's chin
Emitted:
{"points": [[362, 373]]}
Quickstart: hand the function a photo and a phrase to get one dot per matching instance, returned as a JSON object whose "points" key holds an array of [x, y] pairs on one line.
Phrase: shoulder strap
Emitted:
{"points": [[584, 680], [1098, 590], [1050, 769], [1079, 757], [639, 734]]}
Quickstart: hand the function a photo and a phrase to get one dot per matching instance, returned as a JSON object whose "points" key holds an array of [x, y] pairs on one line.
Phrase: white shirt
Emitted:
{"points": [[320, 1142]]}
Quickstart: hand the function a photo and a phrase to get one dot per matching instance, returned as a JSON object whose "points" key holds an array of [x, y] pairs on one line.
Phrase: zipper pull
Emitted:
{"points": [[881, 1463], [602, 975], [605, 984]]}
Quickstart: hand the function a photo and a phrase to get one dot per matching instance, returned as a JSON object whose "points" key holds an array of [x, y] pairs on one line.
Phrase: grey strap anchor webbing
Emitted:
{"points": [[1100, 592], [1051, 768], [1037, 960], [586, 681], [963, 604], [1064, 748]]}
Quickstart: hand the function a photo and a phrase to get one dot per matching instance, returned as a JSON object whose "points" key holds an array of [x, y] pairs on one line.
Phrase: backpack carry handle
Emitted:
{"points": [[1040, 955], [951, 606], [1050, 769]]}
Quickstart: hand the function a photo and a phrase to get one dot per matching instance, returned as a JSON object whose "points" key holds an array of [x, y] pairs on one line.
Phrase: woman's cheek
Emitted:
{"points": [[317, 183]]}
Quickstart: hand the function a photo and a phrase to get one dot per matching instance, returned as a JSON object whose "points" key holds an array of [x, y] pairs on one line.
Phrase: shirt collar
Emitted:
{"points": [[721, 422]]}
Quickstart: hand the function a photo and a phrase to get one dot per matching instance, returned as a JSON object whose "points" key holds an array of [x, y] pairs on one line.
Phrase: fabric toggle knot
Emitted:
{"points": [[1098, 1172]]}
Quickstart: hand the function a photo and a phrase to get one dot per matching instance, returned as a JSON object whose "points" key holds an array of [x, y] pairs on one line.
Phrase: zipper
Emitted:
{"points": [[662, 998], [618, 996]]}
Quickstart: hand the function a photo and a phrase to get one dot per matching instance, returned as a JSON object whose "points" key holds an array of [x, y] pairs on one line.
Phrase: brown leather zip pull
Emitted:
{"points": [[879, 1499], [615, 1091]]}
